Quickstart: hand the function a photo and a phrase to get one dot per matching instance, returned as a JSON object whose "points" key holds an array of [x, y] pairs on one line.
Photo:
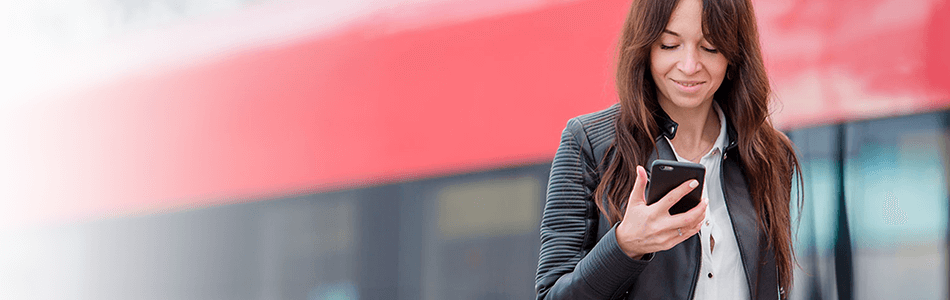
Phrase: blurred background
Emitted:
{"points": [[399, 149]]}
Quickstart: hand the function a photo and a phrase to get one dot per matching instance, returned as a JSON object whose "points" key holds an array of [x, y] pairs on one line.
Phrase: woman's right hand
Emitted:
{"points": [[647, 229]]}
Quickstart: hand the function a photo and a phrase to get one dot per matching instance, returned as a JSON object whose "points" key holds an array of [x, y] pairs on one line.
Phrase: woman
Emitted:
{"points": [[692, 87]]}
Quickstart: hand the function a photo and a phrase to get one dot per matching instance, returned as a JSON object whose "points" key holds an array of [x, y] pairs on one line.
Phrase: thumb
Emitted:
{"points": [[639, 186]]}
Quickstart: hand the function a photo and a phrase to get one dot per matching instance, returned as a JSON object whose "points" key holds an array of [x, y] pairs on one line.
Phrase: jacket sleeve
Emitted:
{"points": [[565, 269]]}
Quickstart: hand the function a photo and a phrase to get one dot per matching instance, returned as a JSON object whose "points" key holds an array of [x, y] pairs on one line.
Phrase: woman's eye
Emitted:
{"points": [[667, 47], [710, 50]]}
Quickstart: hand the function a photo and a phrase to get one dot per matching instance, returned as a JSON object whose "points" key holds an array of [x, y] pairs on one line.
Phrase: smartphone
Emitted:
{"points": [[665, 175]]}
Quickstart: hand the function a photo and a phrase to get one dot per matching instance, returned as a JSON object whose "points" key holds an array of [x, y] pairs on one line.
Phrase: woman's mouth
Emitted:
{"points": [[689, 86]]}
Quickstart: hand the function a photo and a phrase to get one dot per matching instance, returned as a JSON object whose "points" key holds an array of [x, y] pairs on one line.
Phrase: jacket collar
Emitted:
{"points": [[668, 128]]}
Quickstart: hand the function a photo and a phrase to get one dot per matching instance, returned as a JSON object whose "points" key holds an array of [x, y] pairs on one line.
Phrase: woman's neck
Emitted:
{"points": [[697, 130]]}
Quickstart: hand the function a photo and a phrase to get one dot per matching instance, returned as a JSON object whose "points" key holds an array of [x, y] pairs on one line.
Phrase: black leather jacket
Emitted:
{"points": [[580, 257]]}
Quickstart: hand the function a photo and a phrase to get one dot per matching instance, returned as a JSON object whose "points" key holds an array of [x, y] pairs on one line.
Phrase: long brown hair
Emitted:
{"points": [[766, 155]]}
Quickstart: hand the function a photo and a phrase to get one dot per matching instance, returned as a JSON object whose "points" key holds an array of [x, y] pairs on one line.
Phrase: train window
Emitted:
{"points": [[307, 247], [896, 187], [487, 225], [489, 207]]}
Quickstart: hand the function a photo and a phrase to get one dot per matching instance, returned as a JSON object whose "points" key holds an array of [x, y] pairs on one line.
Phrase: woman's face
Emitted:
{"points": [[686, 68]]}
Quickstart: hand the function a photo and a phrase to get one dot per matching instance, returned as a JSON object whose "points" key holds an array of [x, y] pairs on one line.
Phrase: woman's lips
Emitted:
{"points": [[689, 86]]}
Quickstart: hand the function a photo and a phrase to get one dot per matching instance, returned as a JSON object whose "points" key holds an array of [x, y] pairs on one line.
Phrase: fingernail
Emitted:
{"points": [[693, 184]]}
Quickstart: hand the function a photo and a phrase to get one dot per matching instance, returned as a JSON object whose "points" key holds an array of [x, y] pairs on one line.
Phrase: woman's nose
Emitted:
{"points": [[690, 62]]}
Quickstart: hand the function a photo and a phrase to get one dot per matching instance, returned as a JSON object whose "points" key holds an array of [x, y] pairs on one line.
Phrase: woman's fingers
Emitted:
{"points": [[676, 194], [692, 230], [680, 234], [692, 216]]}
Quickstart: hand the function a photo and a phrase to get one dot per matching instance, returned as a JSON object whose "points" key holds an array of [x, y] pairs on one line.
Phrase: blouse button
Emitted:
{"points": [[709, 275]]}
